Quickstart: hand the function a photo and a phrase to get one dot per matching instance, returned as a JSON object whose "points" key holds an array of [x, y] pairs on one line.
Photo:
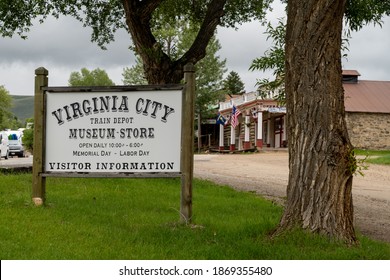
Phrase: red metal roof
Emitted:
{"points": [[367, 96]]}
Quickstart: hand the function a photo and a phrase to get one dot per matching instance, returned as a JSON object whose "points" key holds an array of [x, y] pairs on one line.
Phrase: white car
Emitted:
{"points": [[15, 143], [4, 145]]}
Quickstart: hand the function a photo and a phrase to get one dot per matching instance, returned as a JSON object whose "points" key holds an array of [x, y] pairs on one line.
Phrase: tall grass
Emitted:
{"points": [[374, 156], [138, 219]]}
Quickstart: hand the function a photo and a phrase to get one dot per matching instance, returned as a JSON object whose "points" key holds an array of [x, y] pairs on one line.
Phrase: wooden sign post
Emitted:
{"points": [[39, 182], [187, 145]]}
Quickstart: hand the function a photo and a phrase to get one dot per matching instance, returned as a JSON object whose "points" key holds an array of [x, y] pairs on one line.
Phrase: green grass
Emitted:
{"points": [[138, 219], [375, 157]]}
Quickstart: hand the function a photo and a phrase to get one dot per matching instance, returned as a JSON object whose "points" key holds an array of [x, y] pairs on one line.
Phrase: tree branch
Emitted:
{"points": [[138, 22], [146, 8], [206, 32]]}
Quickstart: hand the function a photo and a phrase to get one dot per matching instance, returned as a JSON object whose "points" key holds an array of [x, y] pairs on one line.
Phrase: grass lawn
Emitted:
{"points": [[375, 157], [138, 219]]}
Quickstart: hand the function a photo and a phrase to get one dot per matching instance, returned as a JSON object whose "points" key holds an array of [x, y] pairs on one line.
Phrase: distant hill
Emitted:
{"points": [[23, 106]]}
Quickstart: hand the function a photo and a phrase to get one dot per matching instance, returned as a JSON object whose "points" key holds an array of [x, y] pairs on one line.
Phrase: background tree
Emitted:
{"points": [[168, 35], [28, 139], [175, 39], [134, 75], [209, 80], [233, 83], [138, 17], [321, 160], [96, 77], [5, 105], [273, 59], [28, 134]]}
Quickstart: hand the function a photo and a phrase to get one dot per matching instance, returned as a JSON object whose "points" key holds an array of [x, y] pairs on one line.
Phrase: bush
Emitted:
{"points": [[28, 139]]}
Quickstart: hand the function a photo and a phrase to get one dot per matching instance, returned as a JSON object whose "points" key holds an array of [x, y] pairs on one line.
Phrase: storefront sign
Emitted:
{"points": [[122, 132], [277, 109]]}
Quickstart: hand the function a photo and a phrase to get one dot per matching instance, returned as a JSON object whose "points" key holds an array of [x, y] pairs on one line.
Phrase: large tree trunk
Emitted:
{"points": [[158, 66], [319, 191]]}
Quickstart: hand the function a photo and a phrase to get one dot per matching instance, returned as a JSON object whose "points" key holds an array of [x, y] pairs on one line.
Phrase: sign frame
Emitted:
{"points": [[112, 89], [187, 138]]}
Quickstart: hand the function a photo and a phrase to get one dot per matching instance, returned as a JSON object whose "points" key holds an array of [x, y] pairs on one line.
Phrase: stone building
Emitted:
{"points": [[262, 123], [367, 106]]}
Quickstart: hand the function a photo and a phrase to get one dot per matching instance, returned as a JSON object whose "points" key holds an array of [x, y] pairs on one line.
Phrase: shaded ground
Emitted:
{"points": [[266, 174]]}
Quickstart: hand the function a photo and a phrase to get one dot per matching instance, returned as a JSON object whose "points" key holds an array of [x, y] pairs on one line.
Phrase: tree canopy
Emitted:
{"points": [[175, 38], [357, 14], [273, 59], [138, 17], [96, 77], [361, 12]]}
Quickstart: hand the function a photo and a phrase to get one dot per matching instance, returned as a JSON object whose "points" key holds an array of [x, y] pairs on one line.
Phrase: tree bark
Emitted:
{"points": [[158, 66], [321, 162]]}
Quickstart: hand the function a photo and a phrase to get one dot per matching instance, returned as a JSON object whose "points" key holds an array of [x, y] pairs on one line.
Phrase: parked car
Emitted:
{"points": [[4, 145], [15, 143]]}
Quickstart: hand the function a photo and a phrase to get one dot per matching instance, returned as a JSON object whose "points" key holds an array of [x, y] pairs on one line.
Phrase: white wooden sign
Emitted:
{"points": [[121, 132]]}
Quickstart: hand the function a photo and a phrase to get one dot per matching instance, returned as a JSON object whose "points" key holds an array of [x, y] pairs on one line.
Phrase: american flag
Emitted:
{"points": [[234, 118]]}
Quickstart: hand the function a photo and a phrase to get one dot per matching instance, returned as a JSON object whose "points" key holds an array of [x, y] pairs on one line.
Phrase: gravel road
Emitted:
{"points": [[266, 173]]}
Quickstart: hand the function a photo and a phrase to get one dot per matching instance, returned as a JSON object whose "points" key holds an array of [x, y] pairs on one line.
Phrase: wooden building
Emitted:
{"points": [[262, 123]]}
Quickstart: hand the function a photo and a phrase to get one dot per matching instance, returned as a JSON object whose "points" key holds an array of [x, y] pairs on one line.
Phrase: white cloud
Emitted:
{"points": [[61, 46], [368, 52]]}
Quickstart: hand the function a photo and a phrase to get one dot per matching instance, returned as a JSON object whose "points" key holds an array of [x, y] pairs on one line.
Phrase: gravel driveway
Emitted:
{"points": [[266, 173]]}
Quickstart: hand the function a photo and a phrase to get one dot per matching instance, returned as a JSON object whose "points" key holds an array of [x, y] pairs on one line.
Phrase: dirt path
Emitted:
{"points": [[267, 174]]}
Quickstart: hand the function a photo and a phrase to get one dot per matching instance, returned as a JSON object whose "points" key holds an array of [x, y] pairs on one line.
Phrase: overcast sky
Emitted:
{"points": [[63, 46]]}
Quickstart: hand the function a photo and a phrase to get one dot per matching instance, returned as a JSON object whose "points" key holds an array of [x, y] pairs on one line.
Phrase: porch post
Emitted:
{"points": [[221, 137], [269, 130], [259, 140], [247, 143], [284, 138], [232, 138]]}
